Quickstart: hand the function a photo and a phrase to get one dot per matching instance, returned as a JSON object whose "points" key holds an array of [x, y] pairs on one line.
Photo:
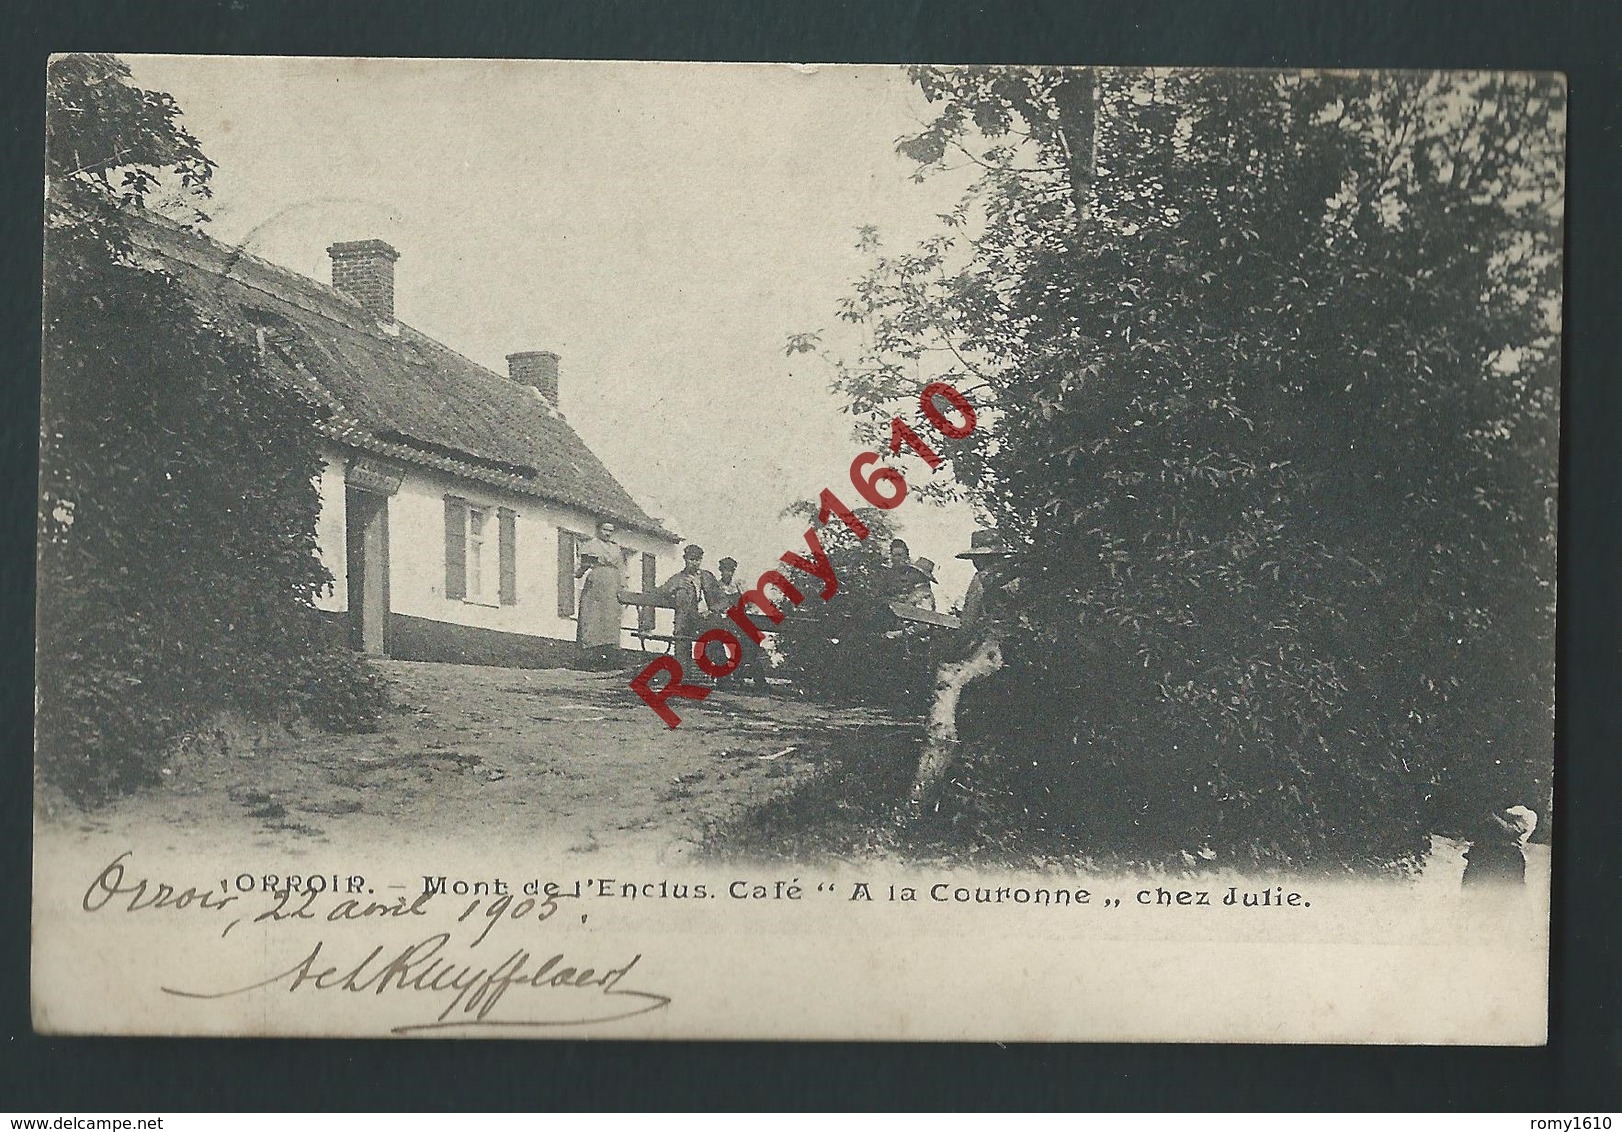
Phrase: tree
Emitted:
{"points": [[177, 556], [1270, 363]]}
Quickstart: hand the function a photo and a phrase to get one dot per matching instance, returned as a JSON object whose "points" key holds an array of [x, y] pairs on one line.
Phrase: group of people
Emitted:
{"points": [[909, 582], [701, 598], [914, 640]]}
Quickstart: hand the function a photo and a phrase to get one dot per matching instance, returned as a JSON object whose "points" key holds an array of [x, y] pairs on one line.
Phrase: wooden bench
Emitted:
{"points": [[669, 640], [644, 638]]}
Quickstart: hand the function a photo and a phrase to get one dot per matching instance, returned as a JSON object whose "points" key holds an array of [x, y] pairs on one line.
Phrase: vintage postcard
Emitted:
{"points": [[652, 550]]}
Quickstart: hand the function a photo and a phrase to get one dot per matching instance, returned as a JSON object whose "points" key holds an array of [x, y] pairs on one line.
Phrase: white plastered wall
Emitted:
{"points": [[417, 554], [417, 558]]}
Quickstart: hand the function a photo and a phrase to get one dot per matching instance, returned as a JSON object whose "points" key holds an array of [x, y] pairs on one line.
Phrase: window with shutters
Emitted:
{"points": [[481, 553]]}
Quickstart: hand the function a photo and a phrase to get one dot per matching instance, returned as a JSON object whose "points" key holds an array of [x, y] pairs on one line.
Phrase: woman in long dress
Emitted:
{"points": [[597, 619]]}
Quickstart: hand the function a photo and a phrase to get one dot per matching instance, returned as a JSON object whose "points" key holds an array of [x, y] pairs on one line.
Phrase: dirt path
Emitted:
{"points": [[565, 761], [561, 763]]}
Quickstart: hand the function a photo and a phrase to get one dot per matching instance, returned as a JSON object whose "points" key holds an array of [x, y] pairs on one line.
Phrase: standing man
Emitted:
{"points": [[695, 595], [977, 654], [751, 668], [988, 589]]}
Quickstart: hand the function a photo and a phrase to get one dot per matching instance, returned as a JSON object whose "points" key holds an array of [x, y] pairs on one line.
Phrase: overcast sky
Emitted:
{"points": [[663, 227]]}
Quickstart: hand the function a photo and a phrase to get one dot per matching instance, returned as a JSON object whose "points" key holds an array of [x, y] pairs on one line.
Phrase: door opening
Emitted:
{"points": [[366, 531]]}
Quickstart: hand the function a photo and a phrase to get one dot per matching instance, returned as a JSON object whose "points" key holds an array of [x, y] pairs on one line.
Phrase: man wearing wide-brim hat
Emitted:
{"points": [[985, 543], [988, 552], [922, 575], [975, 653]]}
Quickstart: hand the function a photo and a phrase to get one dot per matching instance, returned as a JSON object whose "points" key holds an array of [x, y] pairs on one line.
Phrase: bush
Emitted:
{"points": [[1090, 751], [843, 655], [340, 691], [838, 652], [177, 554], [101, 725]]}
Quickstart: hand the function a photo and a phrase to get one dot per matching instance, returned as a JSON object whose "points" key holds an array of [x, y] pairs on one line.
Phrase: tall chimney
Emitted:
{"points": [[536, 368], [364, 270]]}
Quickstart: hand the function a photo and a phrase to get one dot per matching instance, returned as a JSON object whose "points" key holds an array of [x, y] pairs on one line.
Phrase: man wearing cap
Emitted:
{"points": [[751, 667], [912, 664], [695, 595], [915, 589], [730, 586]]}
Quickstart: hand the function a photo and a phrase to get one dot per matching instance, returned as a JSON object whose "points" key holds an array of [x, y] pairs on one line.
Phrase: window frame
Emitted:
{"points": [[488, 555], [476, 559]]}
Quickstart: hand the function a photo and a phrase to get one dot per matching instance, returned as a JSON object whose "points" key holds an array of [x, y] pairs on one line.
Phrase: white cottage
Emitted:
{"points": [[452, 497]]}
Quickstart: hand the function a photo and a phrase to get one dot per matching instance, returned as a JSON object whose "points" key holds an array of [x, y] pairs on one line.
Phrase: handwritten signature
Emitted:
{"points": [[425, 968]]}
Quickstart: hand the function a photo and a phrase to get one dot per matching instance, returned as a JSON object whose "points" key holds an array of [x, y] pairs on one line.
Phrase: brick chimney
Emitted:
{"points": [[538, 369], [364, 270]]}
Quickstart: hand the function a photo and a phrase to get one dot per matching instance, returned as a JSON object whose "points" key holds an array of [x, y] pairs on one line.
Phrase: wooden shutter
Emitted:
{"points": [[508, 523], [565, 573], [455, 547], [650, 582]]}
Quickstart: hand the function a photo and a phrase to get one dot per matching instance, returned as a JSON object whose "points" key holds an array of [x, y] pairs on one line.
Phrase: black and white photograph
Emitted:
{"points": [[555, 549]]}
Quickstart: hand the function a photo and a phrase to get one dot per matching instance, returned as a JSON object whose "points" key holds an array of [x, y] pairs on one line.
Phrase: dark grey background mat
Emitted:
{"points": [[1579, 1071]]}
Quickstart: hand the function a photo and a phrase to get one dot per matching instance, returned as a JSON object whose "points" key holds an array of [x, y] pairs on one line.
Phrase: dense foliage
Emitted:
{"points": [[838, 651], [1272, 370], [177, 557]]}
